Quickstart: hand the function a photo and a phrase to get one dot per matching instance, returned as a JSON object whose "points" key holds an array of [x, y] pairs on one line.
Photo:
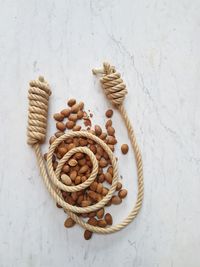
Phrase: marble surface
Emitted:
{"points": [[155, 45]]}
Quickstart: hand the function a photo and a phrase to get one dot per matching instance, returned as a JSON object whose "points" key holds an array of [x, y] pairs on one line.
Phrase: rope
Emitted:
{"points": [[115, 90]]}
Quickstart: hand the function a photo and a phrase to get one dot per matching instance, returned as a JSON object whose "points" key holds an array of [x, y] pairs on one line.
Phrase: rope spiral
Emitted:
{"points": [[38, 96], [115, 90]]}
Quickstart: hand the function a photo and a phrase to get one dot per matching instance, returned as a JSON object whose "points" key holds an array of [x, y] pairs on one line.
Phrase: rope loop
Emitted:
{"points": [[38, 96], [113, 85]]}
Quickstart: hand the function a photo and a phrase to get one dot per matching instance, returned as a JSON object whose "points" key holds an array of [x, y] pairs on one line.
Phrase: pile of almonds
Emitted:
{"points": [[78, 168]]}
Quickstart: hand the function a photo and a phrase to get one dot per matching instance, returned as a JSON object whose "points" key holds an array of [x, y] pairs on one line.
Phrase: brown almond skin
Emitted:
{"points": [[99, 188], [83, 142], [58, 117], [108, 123], [119, 186], [79, 155], [124, 148], [92, 214], [71, 102], [60, 126], [80, 114], [93, 186], [111, 131], [77, 128], [77, 180], [100, 213], [93, 221], [103, 163], [73, 175], [70, 124], [116, 200], [108, 177], [73, 117], [87, 234], [85, 203], [52, 139], [75, 108], [110, 170], [81, 105], [103, 136], [83, 169], [108, 219], [82, 162], [93, 148], [111, 140], [69, 223], [66, 168], [98, 130], [101, 178], [122, 193], [58, 134], [62, 151], [66, 112], [109, 113], [104, 191], [102, 223]]}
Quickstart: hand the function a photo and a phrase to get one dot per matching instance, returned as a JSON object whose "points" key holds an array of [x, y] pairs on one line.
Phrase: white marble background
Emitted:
{"points": [[155, 45]]}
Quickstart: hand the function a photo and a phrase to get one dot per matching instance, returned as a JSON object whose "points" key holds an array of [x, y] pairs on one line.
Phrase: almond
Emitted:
{"points": [[116, 200], [70, 124], [100, 213], [69, 222], [124, 148], [60, 126], [66, 112], [92, 221], [77, 128], [87, 234], [83, 169], [58, 117], [111, 131], [66, 179], [122, 193], [75, 108], [108, 123], [73, 117], [71, 102], [108, 219], [109, 113], [72, 162], [98, 130], [108, 177], [102, 223]]}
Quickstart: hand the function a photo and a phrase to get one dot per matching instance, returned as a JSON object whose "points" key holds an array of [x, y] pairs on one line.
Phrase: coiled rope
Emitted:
{"points": [[115, 90]]}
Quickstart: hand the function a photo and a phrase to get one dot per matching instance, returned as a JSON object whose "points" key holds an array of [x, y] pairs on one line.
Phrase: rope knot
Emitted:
{"points": [[113, 85], [38, 96]]}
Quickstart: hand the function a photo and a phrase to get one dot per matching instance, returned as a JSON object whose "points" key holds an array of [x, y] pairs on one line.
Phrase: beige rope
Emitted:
{"points": [[115, 90]]}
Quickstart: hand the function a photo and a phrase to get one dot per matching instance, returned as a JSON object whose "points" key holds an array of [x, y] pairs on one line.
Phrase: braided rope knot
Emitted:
{"points": [[38, 96], [113, 85]]}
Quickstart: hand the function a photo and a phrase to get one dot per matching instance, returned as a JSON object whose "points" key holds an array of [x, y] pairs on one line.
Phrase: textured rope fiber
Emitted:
{"points": [[115, 90]]}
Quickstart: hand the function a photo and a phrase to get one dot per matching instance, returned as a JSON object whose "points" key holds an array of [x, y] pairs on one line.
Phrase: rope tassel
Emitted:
{"points": [[115, 90]]}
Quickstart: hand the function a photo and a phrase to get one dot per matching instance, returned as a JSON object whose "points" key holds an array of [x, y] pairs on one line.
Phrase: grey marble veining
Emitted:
{"points": [[155, 45]]}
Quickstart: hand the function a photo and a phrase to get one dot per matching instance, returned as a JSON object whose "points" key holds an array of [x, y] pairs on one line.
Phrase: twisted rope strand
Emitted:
{"points": [[115, 90]]}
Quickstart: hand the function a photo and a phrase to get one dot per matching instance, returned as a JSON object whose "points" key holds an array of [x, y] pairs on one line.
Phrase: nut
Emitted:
{"points": [[116, 200], [66, 179], [122, 193], [83, 169], [108, 123], [100, 213], [60, 126], [73, 175], [72, 162], [108, 219], [98, 130], [103, 163], [75, 108], [111, 140], [111, 130], [124, 148], [73, 117], [92, 221], [85, 203], [119, 186], [70, 124], [80, 114], [77, 128], [65, 112], [87, 234], [58, 117], [108, 177], [52, 139], [71, 102], [102, 223], [109, 113], [69, 222]]}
